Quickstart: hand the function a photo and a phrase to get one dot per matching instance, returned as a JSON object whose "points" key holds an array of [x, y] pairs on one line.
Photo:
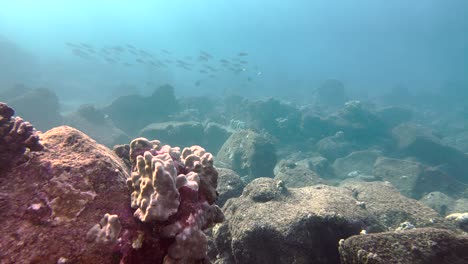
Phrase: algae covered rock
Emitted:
{"points": [[270, 223], [230, 185], [250, 154], [415, 246]]}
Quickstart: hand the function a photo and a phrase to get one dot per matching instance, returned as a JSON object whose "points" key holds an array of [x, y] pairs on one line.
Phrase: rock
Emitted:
{"points": [[230, 185], [295, 175], [330, 94], [394, 115], [458, 141], [214, 136], [60, 194], [419, 142], [39, 106], [391, 208], [321, 166], [94, 124], [414, 179], [334, 147], [270, 223], [415, 246], [460, 205], [361, 161], [182, 134], [249, 154], [133, 112], [188, 133], [439, 201]]}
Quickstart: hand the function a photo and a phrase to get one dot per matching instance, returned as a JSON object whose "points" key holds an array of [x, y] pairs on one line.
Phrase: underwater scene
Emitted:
{"points": [[234, 132]]}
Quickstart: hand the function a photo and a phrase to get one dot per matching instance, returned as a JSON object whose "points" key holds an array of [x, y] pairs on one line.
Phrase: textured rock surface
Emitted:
{"points": [[414, 179], [390, 207], [361, 161], [249, 154], [296, 175], [230, 185], [272, 224], [416, 246], [59, 194]]}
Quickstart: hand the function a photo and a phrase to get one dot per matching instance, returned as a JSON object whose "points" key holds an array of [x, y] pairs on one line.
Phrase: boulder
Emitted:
{"points": [[414, 179], [250, 154], [272, 224], [415, 246], [295, 175], [60, 194], [420, 142], [94, 123], [334, 147], [230, 185], [391, 208], [357, 161]]}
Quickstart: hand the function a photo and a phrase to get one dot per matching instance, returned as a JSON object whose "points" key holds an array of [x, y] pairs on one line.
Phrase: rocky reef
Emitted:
{"points": [[76, 201]]}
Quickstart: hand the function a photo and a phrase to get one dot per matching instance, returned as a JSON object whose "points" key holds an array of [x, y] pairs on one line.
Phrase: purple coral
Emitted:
{"points": [[16, 135], [173, 195]]}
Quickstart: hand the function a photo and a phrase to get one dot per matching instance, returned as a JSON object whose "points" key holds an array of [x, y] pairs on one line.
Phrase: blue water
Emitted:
{"points": [[370, 45]]}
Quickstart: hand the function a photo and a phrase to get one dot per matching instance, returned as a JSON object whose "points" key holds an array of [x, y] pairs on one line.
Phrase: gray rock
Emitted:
{"points": [[249, 154], [413, 179], [273, 224], [295, 175], [391, 208], [439, 201], [458, 141], [230, 185], [361, 161], [92, 122], [183, 134], [415, 246], [334, 147], [422, 143]]}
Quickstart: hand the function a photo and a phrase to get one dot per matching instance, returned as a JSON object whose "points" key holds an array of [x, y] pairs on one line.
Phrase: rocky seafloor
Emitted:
{"points": [[285, 184]]}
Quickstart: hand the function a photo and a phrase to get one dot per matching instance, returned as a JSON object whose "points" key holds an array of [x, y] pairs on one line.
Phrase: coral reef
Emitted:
{"points": [[16, 135]]}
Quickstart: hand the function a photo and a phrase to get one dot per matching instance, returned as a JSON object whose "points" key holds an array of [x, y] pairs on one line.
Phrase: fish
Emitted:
{"points": [[202, 58], [166, 51], [224, 61], [81, 54], [130, 46], [197, 83], [203, 71], [168, 61], [87, 46], [110, 60], [243, 62], [126, 64], [206, 54], [241, 54], [140, 61]]}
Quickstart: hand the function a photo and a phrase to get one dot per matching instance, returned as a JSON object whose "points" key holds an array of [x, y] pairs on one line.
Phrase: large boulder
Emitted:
{"points": [[334, 147], [293, 174], [414, 179], [59, 195], [39, 106], [391, 208], [250, 154], [93, 122], [415, 246], [270, 223], [357, 161], [230, 185], [420, 142], [133, 112]]}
